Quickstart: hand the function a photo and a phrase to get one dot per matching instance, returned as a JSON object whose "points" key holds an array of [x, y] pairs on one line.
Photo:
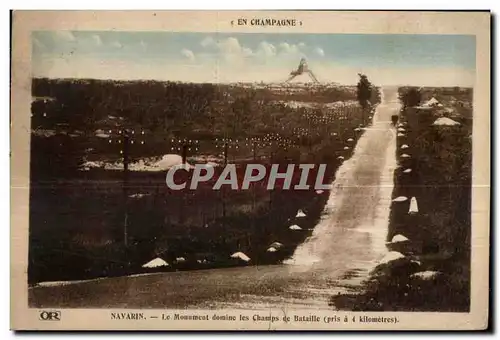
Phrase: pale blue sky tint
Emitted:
{"points": [[137, 54]]}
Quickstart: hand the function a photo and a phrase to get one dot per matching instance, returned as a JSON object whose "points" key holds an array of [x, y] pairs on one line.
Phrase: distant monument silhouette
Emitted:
{"points": [[303, 68]]}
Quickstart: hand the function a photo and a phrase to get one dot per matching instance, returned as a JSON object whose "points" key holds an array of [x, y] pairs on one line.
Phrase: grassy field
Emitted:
{"points": [[439, 234], [77, 217]]}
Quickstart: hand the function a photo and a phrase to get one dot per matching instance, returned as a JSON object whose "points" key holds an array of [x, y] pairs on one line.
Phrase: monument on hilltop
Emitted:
{"points": [[302, 69]]}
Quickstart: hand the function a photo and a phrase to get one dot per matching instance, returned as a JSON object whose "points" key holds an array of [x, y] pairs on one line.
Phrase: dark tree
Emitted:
{"points": [[364, 91], [412, 97]]}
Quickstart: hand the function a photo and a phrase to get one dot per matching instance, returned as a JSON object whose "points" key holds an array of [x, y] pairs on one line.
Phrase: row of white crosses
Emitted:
{"points": [[134, 136], [224, 144], [221, 143], [336, 115], [331, 117], [254, 143], [275, 139], [177, 144], [301, 132], [320, 119]]}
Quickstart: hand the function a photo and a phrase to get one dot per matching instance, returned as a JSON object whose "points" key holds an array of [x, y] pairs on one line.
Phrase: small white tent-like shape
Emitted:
{"points": [[405, 155], [241, 256], [157, 262], [401, 129], [445, 121], [300, 213], [404, 146], [340, 157], [391, 256], [350, 140], [295, 227], [170, 160], [274, 247], [401, 134], [276, 244], [319, 192], [432, 102], [138, 195], [398, 239], [425, 275], [407, 171], [413, 206], [346, 148], [102, 135]]}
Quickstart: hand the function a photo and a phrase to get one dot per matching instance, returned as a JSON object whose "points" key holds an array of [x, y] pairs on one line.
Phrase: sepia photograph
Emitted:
{"points": [[251, 171]]}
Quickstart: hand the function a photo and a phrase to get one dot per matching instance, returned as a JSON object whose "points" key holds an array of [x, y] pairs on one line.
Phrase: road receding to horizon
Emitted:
{"points": [[345, 246]]}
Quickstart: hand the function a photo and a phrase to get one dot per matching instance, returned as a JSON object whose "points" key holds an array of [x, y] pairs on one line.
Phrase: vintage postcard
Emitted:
{"points": [[257, 170]]}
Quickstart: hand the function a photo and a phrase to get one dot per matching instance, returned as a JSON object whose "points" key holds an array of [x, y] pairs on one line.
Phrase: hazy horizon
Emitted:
{"points": [[243, 82], [387, 60]]}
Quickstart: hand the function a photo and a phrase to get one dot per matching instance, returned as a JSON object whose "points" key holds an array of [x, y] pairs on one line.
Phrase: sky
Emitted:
{"points": [[438, 60]]}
